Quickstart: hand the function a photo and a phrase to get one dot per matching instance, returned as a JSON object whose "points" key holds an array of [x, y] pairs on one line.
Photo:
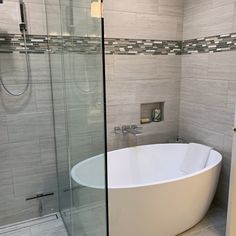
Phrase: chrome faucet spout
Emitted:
{"points": [[134, 132], [132, 129]]}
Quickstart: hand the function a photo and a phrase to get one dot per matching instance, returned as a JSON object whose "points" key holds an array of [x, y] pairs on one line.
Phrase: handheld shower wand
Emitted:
{"points": [[23, 24], [23, 29]]}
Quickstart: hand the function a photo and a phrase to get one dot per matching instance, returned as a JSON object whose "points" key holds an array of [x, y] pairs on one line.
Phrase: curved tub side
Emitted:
{"points": [[162, 209]]}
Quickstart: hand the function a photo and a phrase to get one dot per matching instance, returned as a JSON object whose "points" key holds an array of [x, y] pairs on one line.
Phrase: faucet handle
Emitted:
{"points": [[117, 130], [135, 127], [124, 128]]}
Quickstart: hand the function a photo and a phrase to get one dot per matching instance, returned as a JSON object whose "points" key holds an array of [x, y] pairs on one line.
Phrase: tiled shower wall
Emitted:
{"points": [[208, 85], [151, 75], [26, 143]]}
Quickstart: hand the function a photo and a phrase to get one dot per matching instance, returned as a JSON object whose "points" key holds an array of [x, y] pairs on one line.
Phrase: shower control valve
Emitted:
{"points": [[117, 130], [135, 127]]}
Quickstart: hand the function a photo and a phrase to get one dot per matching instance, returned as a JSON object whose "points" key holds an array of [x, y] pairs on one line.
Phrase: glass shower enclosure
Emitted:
{"points": [[75, 45]]}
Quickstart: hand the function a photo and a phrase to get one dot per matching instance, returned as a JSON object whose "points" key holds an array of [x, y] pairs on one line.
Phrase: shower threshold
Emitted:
{"points": [[50, 225]]}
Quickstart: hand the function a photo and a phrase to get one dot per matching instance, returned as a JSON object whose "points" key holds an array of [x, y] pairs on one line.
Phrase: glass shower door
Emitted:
{"points": [[77, 80]]}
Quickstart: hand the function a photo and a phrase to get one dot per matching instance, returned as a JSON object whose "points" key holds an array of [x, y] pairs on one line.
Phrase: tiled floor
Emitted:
{"points": [[45, 226], [212, 225], [88, 220]]}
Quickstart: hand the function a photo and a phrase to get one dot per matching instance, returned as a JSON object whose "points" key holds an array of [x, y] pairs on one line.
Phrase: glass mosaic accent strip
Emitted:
{"points": [[11, 43], [142, 47], [52, 44], [88, 45], [212, 44], [14, 43]]}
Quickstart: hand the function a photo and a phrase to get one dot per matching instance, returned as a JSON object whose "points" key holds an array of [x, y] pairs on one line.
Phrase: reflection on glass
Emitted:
{"points": [[77, 86]]}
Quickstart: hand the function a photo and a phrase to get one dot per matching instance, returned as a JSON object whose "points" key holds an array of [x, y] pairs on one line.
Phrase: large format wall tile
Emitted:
{"points": [[222, 66], [171, 8], [9, 17], [120, 24], [139, 18], [166, 27], [36, 18], [3, 129], [206, 18], [137, 6]]}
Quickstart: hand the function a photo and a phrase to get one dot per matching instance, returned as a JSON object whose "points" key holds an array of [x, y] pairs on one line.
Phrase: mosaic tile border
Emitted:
{"points": [[88, 45], [12, 43], [53, 44], [211, 44], [142, 47]]}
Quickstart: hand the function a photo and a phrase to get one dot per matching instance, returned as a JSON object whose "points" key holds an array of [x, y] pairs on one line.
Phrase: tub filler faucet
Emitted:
{"points": [[131, 129]]}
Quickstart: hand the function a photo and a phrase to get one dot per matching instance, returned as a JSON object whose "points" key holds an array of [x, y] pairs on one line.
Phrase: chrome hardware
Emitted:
{"points": [[117, 130], [124, 129], [23, 24], [135, 127]]}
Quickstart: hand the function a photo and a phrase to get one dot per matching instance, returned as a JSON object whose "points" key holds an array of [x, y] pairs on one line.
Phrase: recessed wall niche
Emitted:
{"points": [[152, 112]]}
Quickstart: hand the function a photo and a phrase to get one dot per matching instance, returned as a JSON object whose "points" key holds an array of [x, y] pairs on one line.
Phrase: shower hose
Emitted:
{"points": [[27, 60]]}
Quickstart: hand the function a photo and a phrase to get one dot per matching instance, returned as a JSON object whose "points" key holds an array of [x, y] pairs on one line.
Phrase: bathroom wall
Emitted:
{"points": [[208, 84], [141, 67], [27, 153]]}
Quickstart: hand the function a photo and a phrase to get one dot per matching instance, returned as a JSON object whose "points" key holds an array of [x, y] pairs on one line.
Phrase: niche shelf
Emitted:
{"points": [[146, 116]]}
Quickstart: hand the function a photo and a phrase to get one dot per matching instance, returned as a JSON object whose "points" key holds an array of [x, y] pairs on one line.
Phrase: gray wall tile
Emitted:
{"points": [[207, 86], [53, 18], [3, 129], [172, 8], [9, 17], [205, 18], [166, 27], [120, 24], [137, 6], [139, 17], [36, 18]]}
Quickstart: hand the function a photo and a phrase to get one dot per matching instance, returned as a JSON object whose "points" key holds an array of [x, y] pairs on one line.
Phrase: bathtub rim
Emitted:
{"points": [[217, 163]]}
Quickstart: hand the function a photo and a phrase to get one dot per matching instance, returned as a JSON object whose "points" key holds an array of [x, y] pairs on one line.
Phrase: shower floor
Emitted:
{"points": [[51, 225]]}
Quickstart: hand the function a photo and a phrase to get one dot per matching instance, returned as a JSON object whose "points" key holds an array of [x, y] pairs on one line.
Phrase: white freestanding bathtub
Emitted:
{"points": [[148, 194]]}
